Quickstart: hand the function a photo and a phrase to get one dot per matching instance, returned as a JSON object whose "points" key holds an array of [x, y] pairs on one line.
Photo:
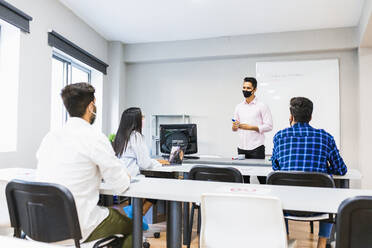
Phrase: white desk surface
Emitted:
{"points": [[293, 198], [230, 161], [247, 170], [21, 243]]}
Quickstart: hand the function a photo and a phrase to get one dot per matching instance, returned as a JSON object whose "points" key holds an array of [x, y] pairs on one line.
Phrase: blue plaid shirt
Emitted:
{"points": [[304, 148]]}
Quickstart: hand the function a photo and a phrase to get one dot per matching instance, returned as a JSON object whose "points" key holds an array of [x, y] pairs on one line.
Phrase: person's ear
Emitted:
{"points": [[91, 106]]}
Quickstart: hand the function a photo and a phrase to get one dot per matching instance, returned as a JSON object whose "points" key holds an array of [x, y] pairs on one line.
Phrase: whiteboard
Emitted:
{"points": [[317, 80]]}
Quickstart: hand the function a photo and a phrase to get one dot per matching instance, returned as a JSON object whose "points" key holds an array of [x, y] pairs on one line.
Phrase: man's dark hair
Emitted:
{"points": [[251, 80], [76, 98], [301, 109]]}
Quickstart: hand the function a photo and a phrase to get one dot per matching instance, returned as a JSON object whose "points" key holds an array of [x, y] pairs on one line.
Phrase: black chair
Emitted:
{"points": [[43, 211], [354, 223], [208, 173], [307, 179]]}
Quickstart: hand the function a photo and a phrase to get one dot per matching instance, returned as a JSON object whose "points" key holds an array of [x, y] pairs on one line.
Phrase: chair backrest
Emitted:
{"points": [[354, 223], [220, 174], [236, 220], [43, 211], [299, 178]]}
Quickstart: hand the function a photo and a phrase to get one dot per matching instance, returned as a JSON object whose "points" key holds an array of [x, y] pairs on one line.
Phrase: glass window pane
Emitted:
{"points": [[9, 75], [64, 71], [58, 82], [78, 75]]}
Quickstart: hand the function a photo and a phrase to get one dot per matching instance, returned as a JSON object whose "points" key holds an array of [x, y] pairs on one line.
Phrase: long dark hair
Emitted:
{"points": [[131, 120]]}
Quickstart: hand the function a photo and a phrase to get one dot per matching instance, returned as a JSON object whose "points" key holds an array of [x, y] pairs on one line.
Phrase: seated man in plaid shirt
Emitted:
{"points": [[304, 148]]}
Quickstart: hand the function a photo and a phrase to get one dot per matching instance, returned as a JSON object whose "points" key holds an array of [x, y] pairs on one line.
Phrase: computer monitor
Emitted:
{"points": [[184, 135]]}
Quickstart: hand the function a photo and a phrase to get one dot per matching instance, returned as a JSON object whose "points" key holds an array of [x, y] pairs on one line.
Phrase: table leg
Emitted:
{"points": [[186, 226], [186, 217], [174, 224], [137, 204]]}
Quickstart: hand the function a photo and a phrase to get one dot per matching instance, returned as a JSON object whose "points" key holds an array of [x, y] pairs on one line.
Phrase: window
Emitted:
{"points": [[66, 70], [9, 75]]}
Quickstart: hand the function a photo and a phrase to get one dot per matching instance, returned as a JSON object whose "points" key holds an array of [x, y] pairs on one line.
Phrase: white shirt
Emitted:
{"points": [[137, 156], [78, 156], [255, 113]]}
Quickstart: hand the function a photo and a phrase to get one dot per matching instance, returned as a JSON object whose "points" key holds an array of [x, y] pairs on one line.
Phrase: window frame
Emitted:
{"points": [[68, 64]]}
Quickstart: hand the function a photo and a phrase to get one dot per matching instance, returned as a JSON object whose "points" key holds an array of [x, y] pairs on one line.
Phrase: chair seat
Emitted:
{"points": [[310, 218]]}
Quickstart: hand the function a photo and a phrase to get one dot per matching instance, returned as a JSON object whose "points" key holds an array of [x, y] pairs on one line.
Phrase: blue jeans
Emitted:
{"points": [[325, 228]]}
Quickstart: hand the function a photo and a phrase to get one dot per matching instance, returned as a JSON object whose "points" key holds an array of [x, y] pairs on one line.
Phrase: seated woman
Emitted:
{"points": [[130, 146]]}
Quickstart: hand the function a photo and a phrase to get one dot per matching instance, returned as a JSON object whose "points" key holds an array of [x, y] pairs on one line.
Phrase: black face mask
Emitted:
{"points": [[247, 93]]}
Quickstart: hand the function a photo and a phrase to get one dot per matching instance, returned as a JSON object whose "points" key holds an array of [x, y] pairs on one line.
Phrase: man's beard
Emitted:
{"points": [[93, 116]]}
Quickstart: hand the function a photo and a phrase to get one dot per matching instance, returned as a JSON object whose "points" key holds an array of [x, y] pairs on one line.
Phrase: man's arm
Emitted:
{"points": [[336, 163], [235, 125], [112, 169], [267, 120], [274, 157], [249, 127]]}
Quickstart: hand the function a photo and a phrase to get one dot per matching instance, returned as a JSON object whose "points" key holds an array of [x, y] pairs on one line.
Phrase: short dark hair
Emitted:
{"points": [[301, 109], [251, 80], [76, 98]]}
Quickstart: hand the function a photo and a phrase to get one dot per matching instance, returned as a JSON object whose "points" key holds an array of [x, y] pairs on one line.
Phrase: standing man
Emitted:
{"points": [[252, 118]]}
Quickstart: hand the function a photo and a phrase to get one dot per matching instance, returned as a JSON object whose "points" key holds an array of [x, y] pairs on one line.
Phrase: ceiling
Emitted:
{"points": [[138, 21]]}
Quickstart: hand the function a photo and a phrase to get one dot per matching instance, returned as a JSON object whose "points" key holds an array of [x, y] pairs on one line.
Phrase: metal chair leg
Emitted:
{"points": [[199, 221], [190, 225]]}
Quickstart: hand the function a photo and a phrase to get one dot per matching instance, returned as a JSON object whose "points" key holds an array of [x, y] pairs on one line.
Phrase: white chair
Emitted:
{"points": [[236, 220]]}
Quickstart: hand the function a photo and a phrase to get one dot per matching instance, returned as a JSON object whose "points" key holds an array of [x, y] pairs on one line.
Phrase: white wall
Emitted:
{"points": [[113, 105], [35, 72], [245, 45], [209, 89], [365, 123], [364, 29]]}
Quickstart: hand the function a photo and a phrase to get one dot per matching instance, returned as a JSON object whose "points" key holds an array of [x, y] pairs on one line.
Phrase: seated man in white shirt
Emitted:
{"points": [[78, 156]]}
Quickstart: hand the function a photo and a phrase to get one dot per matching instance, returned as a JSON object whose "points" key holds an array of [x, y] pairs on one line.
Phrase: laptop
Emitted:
{"points": [[176, 155]]}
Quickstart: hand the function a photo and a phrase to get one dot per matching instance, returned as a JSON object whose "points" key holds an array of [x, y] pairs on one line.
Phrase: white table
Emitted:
{"points": [[309, 199], [255, 170], [230, 161], [246, 170], [22, 243]]}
